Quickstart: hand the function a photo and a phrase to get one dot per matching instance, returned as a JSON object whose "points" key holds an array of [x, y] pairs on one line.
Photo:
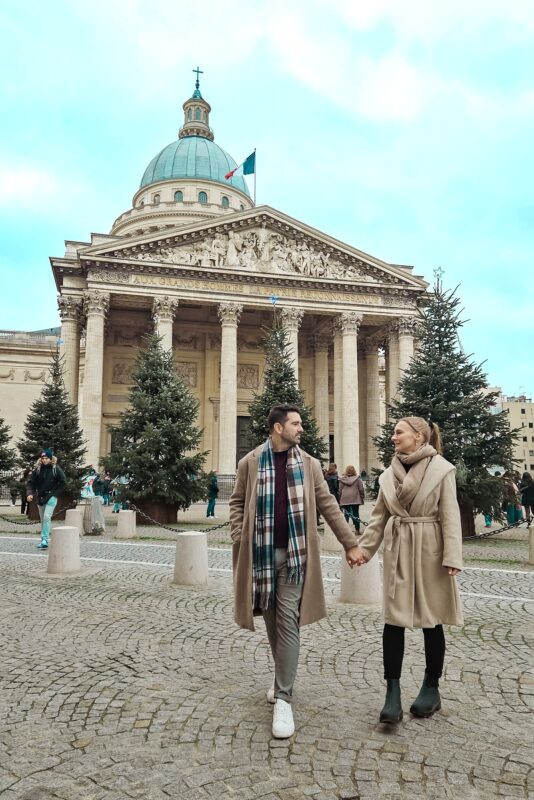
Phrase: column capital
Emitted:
{"points": [[349, 322], [96, 302], [370, 346], [229, 313], [164, 309], [408, 326], [70, 307], [291, 318], [318, 343]]}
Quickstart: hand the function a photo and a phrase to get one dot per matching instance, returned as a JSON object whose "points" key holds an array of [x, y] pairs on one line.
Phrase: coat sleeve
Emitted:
{"points": [[374, 532], [327, 505], [361, 489], [60, 482], [31, 482], [451, 524], [237, 501]]}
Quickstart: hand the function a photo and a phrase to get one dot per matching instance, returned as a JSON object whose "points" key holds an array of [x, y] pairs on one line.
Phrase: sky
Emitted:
{"points": [[403, 128]]}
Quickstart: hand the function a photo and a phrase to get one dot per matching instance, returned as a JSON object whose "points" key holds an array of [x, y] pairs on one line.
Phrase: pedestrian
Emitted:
{"points": [[417, 515], [277, 569], [332, 479], [98, 485], [46, 481], [488, 518], [526, 487], [213, 492], [106, 489], [511, 504], [351, 495]]}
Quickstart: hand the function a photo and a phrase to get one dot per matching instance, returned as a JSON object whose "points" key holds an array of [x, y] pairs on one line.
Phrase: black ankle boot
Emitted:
{"points": [[392, 711], [428, 699]]}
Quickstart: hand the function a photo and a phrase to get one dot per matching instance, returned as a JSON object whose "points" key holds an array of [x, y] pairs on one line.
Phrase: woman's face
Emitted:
{"points": [[405, 439]]}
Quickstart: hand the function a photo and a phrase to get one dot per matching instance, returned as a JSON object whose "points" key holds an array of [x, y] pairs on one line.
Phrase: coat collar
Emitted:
{"points": [[437, 469]]}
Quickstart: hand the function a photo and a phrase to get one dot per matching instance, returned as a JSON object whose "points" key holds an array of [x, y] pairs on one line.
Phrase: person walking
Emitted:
{"points": [[106, 489], [213, 492], [526, 487], [417, 515], [47, 481], [276, 557], [351, 495]]}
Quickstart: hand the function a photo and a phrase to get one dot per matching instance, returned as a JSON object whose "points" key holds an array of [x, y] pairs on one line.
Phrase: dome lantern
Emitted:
{"points": [[196, 114]]}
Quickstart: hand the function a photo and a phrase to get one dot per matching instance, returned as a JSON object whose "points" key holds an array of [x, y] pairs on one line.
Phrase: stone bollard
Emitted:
{"points": [[361, 584], [64, 552], [126, 525], [74, 519], [329, 542], [531, 544], [191, 564]]}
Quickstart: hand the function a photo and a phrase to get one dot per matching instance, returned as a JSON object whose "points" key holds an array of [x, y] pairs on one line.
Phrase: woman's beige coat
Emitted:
{"points": [[242, 518], [418, 545]]}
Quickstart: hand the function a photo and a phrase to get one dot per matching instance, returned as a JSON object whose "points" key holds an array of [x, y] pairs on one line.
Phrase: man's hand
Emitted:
{"points": [[452, 571], [356, 557], [29, 497]]}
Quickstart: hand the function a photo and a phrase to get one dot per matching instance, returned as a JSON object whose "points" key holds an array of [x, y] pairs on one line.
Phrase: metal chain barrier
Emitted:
{"points": [[36, 521], [176, 530]]}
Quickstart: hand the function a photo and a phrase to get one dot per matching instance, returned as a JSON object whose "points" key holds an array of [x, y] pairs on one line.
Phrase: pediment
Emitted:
{"points": [[262, 241]]}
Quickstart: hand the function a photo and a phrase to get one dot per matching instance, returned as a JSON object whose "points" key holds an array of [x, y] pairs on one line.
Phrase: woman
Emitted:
{"points": [[417, 515], [526, 487], [332, 479], [351, 495]]}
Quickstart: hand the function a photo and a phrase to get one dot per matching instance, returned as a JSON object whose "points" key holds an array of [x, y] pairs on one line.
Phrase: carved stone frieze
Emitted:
{"points": [[131, 337], [187, 370], [181, 342], [350, 322], [96, 302], [229, 313], [39, 377], [164, 309], [69, 307], [214, 341], [122, 371], [109, 276], [244, 343], [9, 376], [263, 250], [248, 376]]}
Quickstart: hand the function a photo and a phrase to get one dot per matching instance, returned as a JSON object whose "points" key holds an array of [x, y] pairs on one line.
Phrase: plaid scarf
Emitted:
{"points": [[263, 572]]}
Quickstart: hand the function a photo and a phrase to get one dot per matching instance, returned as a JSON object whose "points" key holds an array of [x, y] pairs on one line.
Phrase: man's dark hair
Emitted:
{"points": [[280, 414]]}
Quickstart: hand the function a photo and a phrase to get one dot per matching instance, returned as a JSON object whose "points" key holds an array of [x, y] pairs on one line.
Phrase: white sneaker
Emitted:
{"points": [[270, 694], [283, 724]]}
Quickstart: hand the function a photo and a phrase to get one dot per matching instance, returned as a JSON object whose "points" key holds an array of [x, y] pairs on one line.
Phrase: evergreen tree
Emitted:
{"points": [[53, 422], [7, 454], [155, 443], [280, 387], [444, 386]]}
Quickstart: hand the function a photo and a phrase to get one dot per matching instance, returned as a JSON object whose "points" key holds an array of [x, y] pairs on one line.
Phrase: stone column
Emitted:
{"points": [[96, 306], [70, 312], [350, 323], [321, 410], [373, 402], [338, 395], [163, 311], [229, 314], [407, 327], [393, 369], [291, 319]]}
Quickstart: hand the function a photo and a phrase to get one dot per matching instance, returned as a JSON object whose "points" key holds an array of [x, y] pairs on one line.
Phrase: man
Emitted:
{"points": [[276, 556], [213, 493], [47, 481]]}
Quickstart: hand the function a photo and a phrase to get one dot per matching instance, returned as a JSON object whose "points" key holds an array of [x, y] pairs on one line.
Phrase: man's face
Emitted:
{"points": [[45, 460], [291, 430]]}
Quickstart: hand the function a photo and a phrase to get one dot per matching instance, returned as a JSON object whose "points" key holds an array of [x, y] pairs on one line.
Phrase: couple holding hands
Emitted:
{"points": [[276, 553]]}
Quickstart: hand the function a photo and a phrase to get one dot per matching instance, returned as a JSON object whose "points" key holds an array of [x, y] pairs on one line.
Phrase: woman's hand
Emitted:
{"points": [[356, 557], [452, 571]]}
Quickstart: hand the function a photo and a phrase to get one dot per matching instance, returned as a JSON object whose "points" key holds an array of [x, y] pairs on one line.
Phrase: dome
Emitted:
{"points": [[193, 157]]}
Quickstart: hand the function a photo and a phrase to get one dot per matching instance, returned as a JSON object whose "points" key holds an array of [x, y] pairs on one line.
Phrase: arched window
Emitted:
{"points": [[156, 199], [190, 114], [197, 114], [202, 197], [179, 196], [225, 202], [205, 116], [241, 207]]}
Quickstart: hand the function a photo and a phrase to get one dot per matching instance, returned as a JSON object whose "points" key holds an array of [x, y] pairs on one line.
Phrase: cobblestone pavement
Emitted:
{"points": [[116, 684]]}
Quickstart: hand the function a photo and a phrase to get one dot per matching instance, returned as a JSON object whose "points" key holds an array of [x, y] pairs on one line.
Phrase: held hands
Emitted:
{"points": [[29, 498], [356, 557]]}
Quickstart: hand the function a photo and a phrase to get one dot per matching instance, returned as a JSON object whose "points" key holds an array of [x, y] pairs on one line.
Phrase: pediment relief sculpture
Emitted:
{"points": [[261, 250]]}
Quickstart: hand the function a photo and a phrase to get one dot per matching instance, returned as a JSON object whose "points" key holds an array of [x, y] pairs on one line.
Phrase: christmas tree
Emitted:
{"points": [[53, 422], [7, 454], [444, 386], [155, 443], [280, 387]]}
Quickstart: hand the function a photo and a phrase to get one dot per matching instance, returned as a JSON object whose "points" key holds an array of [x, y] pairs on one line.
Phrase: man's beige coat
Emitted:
{"points": [[418, 545], [242, 518]]}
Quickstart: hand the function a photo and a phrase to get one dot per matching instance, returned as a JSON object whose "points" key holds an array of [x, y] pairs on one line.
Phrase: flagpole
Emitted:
{"points": [[255, 170]]}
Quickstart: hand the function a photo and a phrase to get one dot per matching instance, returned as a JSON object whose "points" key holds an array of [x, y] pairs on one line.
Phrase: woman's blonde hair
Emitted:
{"points": [[429, 430], [350, 471]]}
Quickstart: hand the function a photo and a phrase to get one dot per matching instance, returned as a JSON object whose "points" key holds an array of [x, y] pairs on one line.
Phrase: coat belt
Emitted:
{"points": [[392, 543]]}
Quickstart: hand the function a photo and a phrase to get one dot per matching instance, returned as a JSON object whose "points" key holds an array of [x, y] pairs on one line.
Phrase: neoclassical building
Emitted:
{"points": [[197, 261]]}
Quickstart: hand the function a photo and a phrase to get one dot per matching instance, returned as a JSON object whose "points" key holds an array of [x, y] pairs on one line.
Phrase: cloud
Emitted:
{"points": [[27, 187]]}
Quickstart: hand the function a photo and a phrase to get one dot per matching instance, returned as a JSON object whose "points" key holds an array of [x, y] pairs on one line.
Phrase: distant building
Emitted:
{"points": [[521, 415]]}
